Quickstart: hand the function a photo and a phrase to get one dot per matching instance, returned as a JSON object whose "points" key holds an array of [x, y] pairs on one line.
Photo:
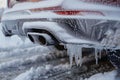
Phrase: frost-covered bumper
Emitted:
{"points": [[77, 31], [60, 33]]}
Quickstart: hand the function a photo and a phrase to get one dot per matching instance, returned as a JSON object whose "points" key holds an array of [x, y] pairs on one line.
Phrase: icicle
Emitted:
{"points": [[75, 51], [80, 55], [70, 51], [96, 55], [76, 58], [100, 52], [106, 50], [71, 59]]}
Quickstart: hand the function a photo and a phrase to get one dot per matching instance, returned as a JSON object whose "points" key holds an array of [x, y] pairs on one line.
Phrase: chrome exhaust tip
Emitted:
{"points": [[41, 38]]}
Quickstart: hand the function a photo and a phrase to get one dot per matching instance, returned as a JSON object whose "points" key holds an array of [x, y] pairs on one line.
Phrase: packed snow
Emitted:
{"points": [[35, 73], [104, 76]]}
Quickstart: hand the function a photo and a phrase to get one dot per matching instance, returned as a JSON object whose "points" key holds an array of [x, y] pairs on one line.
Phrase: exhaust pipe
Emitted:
{"points": [[41, 38]]}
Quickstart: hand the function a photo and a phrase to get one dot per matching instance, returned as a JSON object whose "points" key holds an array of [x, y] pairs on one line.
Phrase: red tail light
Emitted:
{"points": [[67, 12], [79, 12]]}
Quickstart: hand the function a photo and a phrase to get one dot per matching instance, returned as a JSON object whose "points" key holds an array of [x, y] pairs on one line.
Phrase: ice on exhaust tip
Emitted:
{"points": [[75, 51]]}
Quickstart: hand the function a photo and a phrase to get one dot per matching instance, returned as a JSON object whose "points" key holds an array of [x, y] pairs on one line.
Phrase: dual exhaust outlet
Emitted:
{"points": [[41, 38]]}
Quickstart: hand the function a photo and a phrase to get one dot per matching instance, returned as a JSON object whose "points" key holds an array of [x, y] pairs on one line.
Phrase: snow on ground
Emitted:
{"points": [[19, 58], [15, 54], [104, 76], [23, 52], [14, 47], [35, 73]]}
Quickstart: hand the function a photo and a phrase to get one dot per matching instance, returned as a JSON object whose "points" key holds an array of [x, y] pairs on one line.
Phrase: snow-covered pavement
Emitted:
{"points": [[104, 76], [26, 61], [14, 53]]}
